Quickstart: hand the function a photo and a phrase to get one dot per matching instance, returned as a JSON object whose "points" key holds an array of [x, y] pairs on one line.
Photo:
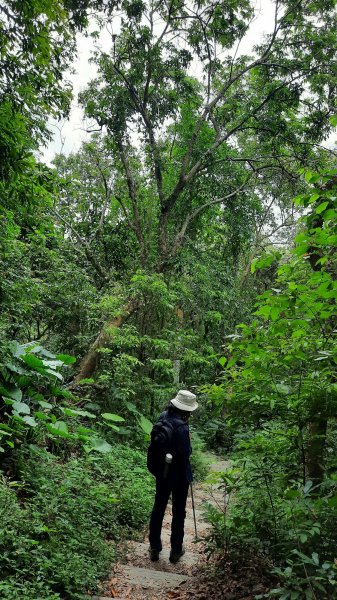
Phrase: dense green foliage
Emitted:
{"points": [[283, 406], [126, 268], [56, 524]]}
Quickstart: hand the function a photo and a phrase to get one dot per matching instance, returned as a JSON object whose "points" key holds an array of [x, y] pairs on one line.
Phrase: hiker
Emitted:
{"points": [[173, 478]]}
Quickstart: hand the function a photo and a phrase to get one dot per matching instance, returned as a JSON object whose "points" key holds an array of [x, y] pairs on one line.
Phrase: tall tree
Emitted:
{"points": [[37, 44], [195, 125]]}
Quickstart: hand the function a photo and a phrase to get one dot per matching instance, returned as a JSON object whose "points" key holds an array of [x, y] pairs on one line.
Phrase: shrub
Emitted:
{"points": [[126, 469], [55, 526], [198, 461], [290, 526]]}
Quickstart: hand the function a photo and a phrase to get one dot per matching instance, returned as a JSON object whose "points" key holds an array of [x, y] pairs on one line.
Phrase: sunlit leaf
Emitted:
{"points": [[113, 417], [145, 424], [21, 408]]}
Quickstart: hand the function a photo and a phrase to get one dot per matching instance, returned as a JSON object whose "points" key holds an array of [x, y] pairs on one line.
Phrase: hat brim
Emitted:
{"points": [[184, 407]]}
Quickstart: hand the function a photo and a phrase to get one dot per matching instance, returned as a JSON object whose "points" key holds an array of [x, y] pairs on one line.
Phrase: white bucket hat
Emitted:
{"points": [[185, 400]]}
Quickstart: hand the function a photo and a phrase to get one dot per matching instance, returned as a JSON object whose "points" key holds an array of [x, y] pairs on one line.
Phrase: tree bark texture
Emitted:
{"points": [[89, 361]]}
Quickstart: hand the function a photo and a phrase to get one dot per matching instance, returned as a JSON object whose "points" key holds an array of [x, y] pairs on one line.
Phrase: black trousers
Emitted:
{"points": [[179, 490]]}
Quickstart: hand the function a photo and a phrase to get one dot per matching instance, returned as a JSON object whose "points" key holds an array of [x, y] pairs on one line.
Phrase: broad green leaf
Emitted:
{"points": [[35, 349], [16, 369], [145, 424], [41, 416], [21, 408], [314, 197], [33, 361], [100, 445], [58, 428], [66, 359], [71, 412], [17, 349], [52, 364], [132, 407], [45, 404], [11, 391], [112, 417], [46, 353], [321, 207], [253, 265], [112, 426], [311, 177], [30, 421], [5, 427], [331, 213], [264, 311], [333, 501], [62, 392], [274, 312], [307, 487], [55, 374]]}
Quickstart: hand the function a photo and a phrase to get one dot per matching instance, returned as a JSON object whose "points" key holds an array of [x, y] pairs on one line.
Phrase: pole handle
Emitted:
{"points": [[168, 460]]}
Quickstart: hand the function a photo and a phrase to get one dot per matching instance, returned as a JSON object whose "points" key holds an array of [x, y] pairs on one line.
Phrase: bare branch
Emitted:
{"points": [[185, 176], [107, 195], [125, 212], [181, 235], [140, 107], [202, 162], [136, 226]]}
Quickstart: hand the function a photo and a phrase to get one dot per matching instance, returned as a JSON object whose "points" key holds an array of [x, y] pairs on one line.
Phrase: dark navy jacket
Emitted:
{"points": [[181, 450]]}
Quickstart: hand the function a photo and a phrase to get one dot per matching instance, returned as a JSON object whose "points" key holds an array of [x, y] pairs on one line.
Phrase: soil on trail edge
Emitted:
{"points": [[141, 579]]}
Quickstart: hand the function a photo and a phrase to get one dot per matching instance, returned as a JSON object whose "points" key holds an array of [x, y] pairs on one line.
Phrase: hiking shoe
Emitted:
{"points": [[176, 556], [154, 554]]}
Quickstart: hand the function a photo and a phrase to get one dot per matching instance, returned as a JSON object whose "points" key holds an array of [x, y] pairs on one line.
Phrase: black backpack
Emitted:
{"points": [[161, 444]]}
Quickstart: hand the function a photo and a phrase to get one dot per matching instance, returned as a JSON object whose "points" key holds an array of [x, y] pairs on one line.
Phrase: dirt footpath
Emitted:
{"points": [[141, 579]]}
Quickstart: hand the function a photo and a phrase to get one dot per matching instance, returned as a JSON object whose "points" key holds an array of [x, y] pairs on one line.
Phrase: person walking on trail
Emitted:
{"points": [[173, 472]]}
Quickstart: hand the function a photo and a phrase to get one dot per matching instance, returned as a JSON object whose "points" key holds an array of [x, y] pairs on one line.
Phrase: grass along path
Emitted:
{"points": [[140, 579]]}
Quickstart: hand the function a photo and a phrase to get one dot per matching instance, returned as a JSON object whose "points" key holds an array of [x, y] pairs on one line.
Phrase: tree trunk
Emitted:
{"points": [[88, 363], [176, 370], [318, 426], [315, 450]]}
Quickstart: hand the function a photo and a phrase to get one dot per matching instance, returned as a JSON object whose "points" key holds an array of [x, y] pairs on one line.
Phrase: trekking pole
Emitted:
{"points": [[193, 508], [168, 460]]}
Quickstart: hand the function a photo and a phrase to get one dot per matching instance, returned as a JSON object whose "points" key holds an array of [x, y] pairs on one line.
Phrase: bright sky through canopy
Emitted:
{"points": [[69, 134]]}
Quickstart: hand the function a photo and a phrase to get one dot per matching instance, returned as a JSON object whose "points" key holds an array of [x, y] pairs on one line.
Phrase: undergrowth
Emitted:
{"points": [[61, 522]]}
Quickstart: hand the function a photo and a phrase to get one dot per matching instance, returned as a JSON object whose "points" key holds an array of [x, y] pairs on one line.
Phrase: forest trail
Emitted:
{"points": [[140, 579]]}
